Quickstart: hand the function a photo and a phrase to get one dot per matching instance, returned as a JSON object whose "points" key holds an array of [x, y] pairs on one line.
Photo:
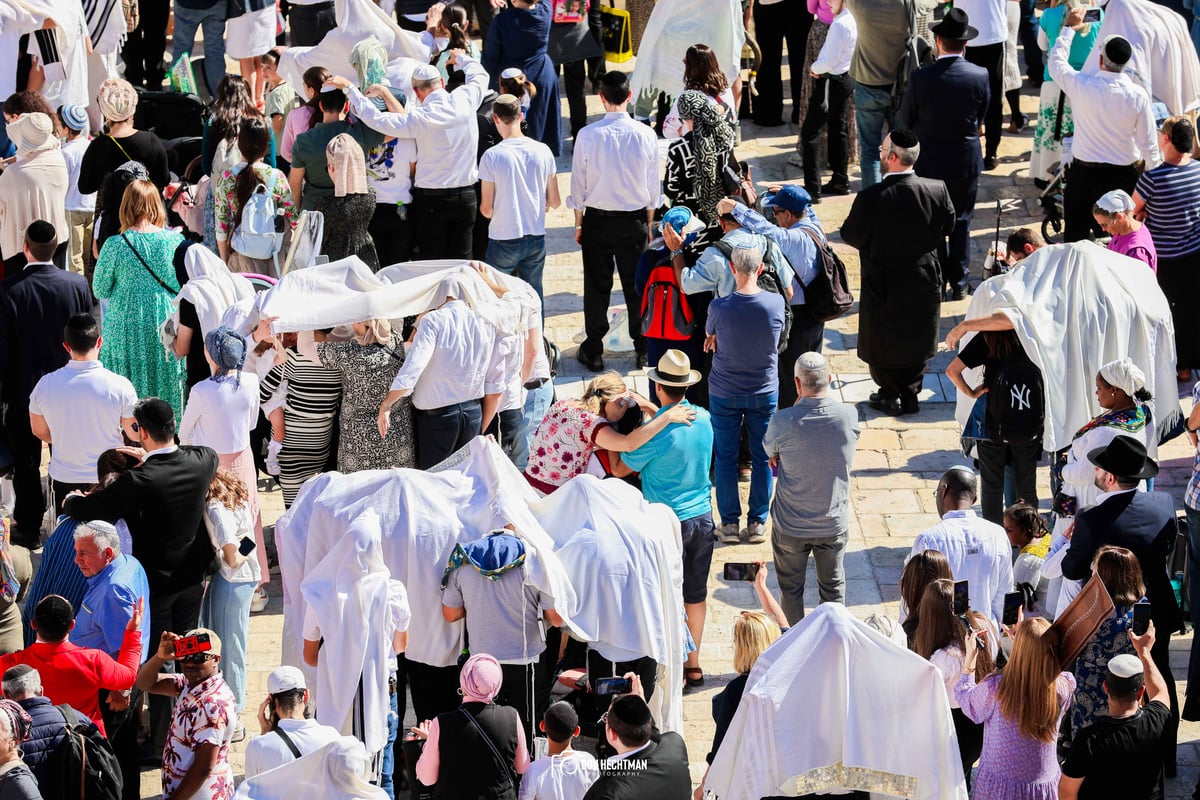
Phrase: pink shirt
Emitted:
{"points": [[297, 123], [562, 445], [821, 9], [1136, 244]]}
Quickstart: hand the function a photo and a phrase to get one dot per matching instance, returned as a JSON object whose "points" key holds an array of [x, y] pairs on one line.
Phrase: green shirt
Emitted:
{"points": [[309, 154]]}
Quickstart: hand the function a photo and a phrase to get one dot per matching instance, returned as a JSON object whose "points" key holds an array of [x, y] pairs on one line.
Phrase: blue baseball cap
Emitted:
{"points": [[791, 198]]}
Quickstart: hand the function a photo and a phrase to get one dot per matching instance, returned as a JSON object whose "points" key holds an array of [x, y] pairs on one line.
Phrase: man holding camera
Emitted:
{"points": [[287, 734], [195, 759]]}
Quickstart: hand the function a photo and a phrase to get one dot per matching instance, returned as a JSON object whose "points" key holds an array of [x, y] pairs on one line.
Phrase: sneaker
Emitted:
{"points": [[260, 600], [239, 733], [755, 533], [273, 449], [730, 534], [796, 160]]}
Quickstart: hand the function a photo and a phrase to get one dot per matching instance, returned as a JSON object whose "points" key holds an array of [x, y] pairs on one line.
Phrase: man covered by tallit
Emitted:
{"points": [[338, 771]]}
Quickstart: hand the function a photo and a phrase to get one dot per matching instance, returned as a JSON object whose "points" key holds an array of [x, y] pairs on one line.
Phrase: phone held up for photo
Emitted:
{"points": [[1012, 607], [1141, 618], [606, 687], [189, 645], [740, 571], [1091, 15], [961, 598]]}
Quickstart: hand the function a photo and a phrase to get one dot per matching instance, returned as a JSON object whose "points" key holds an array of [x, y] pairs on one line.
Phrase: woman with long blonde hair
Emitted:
{"points": [[1020, 710]]}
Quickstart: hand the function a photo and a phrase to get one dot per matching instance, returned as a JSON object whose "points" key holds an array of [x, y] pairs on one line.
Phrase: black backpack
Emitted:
{"points": [[1016, 407], [827, 296], [769, 281], [82, 766]]}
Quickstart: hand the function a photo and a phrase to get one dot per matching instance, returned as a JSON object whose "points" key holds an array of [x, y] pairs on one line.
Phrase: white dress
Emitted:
{"points": [[252, 34]]}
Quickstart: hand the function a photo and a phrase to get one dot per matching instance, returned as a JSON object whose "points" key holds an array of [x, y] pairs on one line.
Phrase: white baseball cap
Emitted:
{"points": [[285, 679]]}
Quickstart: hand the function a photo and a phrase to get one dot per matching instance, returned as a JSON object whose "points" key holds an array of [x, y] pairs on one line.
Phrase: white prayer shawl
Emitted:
{"points": [[676, 25], [337, 771], [346, 291], [106, 25], [70, 45], [1164, 58], [835, 695], [16, 20], [347, 592], [356, 20], [211, 287], [1075, 307]]}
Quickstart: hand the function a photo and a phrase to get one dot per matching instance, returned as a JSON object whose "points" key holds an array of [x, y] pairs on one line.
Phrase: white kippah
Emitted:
{"points": [[1125, 666], [511, 72], [426, 72], [812, 361]]}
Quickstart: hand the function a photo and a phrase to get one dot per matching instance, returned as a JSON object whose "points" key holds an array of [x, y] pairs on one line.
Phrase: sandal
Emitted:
{"points": [[693, 677]]}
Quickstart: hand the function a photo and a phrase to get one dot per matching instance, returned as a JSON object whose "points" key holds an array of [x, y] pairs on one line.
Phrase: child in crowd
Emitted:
{"points": [[81, 208], [565, 773], [280, 96], [1027, 531]]}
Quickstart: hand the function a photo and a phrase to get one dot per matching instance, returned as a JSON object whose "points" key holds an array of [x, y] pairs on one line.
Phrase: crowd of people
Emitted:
{"points": [[160, 339]]}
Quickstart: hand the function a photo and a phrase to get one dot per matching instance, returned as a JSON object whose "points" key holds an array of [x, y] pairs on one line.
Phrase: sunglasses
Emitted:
{"points": [[134, 427], [196, 658]]}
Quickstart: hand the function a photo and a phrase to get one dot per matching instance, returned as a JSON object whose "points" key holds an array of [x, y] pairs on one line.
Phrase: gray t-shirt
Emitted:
{"points": [[502, 615], [815, 442]]}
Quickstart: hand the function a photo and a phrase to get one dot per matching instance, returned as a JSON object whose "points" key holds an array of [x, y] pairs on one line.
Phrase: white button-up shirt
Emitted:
{"points": [[454, 358], [615, 166], [1113, 120], [979, 552], [838, 50], [445, 126]]}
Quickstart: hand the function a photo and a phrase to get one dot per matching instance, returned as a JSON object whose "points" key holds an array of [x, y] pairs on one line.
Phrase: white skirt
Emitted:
{"points": [[251, 35]]}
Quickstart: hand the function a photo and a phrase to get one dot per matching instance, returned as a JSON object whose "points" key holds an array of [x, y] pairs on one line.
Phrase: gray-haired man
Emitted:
{"points": [[23, 684], [812, 445]]}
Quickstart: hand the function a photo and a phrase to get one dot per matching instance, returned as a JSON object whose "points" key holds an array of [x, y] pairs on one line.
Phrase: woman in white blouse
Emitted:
{"points": [[220, 414]]}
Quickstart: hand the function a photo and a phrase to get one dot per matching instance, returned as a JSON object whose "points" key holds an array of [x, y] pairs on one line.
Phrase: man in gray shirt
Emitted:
{"points": [[812, 445], [882, 36]]}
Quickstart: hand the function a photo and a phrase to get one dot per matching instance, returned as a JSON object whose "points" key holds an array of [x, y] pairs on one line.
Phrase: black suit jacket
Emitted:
{"points": [[665, 777], [35, 305], [162, 501], [944, 105], [1143, 522]]}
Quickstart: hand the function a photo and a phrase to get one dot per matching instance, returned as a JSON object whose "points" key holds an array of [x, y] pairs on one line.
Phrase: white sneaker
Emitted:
{"points": [[755, 533], [273, 448], [259, 600], [729, 534]]}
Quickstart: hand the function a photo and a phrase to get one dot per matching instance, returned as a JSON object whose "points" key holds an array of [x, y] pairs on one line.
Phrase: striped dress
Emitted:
{"points": [[313, 396]]}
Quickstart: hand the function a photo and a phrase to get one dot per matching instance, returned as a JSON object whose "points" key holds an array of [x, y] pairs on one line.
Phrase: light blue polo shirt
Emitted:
{"points": [[674, 466]]}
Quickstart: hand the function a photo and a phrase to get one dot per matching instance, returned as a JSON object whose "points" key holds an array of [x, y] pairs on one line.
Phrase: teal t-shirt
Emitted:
{"points": [[1081, 46], [674, 466]]}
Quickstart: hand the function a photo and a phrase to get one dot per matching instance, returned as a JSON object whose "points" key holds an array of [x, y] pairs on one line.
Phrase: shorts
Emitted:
{"points": [[698, 535]]}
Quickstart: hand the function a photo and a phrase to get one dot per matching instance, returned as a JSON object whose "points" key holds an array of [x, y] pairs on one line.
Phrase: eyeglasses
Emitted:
{"points": [[134, 427], [196, 658]]}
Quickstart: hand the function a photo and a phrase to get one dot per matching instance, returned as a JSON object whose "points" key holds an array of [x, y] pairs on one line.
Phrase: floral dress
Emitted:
{"points": [[140, 292], [1112, 639], [367, 373], [562, 445], [204, 714]]}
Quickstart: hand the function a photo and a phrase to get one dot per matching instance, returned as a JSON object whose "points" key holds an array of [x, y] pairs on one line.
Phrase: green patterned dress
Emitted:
{"points": [[138, 304]]}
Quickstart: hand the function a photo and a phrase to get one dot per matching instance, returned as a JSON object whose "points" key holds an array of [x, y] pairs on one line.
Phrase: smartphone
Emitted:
{"points": [[961, 598], [246, 545], [1141, 618], [1091, 15], [1012, 607], [740, 571], [612, 686], [189, 645]]}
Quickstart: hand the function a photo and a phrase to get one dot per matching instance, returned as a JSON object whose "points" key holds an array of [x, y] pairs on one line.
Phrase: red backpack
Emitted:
{"points": [[665, 310]]}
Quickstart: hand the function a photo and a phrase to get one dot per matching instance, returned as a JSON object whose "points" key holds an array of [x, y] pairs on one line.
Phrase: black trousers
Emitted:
{"points": [[30, 505], [898, 381], [600, 667], [1160, 654], [774, 24], [121, 727], [443, 221], [574, 74], [1035, 62], [970, 741], [1179, 279], [434, 689], [993, 457], [309, 24], [826, 110], [610, 240], [522, 690], [991, 58], [1086, 182], [955, 250], [144, 45], [178, 612], [441, 431], [392, 235], [807, 336], [61, 490]]}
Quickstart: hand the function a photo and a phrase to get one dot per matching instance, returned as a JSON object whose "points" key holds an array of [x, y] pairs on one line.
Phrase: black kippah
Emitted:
{"points": [[40, 232], [631, 709], [902, 137], [1118, 50]]}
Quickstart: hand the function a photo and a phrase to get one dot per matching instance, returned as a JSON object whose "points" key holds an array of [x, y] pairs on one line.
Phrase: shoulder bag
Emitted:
{"points": [[153, 274]]}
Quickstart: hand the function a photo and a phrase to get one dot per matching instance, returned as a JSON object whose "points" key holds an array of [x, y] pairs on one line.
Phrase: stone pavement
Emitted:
{"points": [[896, 468]]}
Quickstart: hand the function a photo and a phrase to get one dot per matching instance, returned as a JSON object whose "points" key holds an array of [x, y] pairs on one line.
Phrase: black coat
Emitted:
{"points": [[35, 305], [665, 777], [1143, 522], [897, 225], [944, 105], [162, 501]]}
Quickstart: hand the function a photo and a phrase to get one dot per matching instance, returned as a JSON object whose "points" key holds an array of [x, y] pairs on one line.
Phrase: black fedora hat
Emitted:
{"points": [[955, 25], [1124, 457]]}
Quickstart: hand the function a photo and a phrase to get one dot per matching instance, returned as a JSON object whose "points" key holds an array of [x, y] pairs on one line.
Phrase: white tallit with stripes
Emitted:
{"points": [[62, 50]]}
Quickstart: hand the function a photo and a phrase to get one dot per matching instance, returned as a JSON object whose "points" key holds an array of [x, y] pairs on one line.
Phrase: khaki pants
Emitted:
{"points": [[81, 243]]}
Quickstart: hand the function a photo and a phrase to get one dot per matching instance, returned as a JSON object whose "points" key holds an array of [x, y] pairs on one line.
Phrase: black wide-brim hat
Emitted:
{"points": [[955, 25], [1124, 457]]}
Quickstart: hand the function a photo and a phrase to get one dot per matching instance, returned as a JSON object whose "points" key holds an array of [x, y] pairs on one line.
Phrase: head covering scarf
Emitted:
{"points": [[1124, 375], [209, 286], [379, 331], [712, 141], [369, 59], [480, 679], [21, 722], [227, 348], [1116, 201], [32, 133], [117, 100], [349, 165]]}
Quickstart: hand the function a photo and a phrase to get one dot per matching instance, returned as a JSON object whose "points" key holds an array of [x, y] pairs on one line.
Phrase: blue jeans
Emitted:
{"points": [[226, 611], [213, 22], [386, 781], [872, 108], [728, 414], [537, 403], [524, 258]]}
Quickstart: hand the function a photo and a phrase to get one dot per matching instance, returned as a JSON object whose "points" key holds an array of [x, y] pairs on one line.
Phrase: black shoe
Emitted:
{"points": [[957, 293], [909, 404], [594, 363], [641, 361], [835, 188], [814, 198], [989, 163], [888, 405]]}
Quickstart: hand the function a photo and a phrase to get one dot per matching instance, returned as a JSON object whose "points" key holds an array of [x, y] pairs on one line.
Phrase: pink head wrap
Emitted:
{"points": [[480, 679]]}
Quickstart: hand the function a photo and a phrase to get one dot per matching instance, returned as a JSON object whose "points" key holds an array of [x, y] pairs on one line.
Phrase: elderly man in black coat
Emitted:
{"points": [[898, 225]]}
